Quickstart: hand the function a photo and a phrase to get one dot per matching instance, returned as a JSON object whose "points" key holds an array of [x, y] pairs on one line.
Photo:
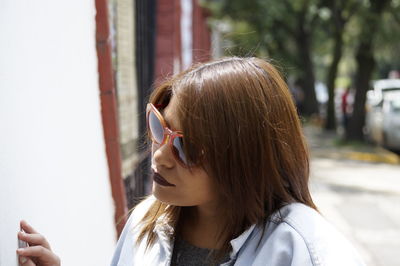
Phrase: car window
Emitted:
{"points": [[395, 105], [392, 89], [379, 104]]}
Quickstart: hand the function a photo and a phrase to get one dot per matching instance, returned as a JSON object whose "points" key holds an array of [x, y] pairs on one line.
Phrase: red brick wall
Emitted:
{"points": [[168, 44], [168, 39], [201, 34]]}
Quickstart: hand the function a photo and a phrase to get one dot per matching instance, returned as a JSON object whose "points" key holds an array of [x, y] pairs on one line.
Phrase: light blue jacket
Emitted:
{"points": [[296, 235]]}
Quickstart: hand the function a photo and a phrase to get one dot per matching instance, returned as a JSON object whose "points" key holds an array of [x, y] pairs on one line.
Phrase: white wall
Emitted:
{"points": [[53, 169]]}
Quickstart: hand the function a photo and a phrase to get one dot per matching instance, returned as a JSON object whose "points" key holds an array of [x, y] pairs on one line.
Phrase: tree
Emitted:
{"points": [[341, 11], [283, 29], [395, 11], [365, 61], [387, 43]]}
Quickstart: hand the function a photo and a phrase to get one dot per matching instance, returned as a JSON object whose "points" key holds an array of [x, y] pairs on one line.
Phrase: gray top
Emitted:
{"points": [[185, 254]]}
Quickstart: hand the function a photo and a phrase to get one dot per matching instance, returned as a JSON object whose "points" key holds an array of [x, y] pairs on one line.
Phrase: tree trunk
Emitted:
{"points": [[365, 65], [330, 123], [308, 79]]}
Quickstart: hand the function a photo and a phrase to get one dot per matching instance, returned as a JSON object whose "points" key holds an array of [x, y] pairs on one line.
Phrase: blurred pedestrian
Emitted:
{"points": [[230, 169], [347, 107]]}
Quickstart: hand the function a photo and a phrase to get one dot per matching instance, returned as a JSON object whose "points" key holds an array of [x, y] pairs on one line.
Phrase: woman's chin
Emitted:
{"points": [[168, 197], [162, 194]]}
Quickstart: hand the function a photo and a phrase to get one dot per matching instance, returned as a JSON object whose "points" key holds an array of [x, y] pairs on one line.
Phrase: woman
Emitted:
{"points": [[230, 169]]}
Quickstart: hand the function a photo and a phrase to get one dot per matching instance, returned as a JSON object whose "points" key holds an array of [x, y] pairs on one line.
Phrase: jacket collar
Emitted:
{"points": [[165, 233], [239, 241]]}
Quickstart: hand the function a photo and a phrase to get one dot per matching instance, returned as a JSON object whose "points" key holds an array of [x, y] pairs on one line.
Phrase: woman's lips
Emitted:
{"points": [[161, 181]]}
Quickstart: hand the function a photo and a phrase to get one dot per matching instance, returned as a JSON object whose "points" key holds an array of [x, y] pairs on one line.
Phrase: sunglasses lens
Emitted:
{"points": [[156, 130], [178, 149], [155, 127]]}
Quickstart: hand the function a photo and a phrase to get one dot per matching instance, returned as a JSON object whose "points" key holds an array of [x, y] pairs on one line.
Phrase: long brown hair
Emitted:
{"points": [[241, 125]]}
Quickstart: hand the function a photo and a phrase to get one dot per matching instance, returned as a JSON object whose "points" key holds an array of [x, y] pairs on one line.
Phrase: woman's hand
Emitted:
{"points": [[38, 253]]}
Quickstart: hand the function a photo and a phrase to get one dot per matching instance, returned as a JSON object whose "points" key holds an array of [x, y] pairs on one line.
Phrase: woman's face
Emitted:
{"points": [[186, 187]]}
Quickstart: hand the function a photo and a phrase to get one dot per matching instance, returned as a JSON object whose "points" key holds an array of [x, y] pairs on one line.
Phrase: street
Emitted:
{"points": [[362, 199]]}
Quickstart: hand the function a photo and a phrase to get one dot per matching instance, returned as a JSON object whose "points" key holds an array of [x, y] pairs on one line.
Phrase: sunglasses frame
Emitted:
{"points": [[168, 134]]}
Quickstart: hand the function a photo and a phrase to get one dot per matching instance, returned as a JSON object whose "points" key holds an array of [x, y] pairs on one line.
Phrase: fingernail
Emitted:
{"points": [[22, 259]]}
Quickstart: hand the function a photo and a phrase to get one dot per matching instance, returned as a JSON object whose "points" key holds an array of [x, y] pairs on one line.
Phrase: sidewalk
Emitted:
{"points": [[324, 144], [357, 188], [357, 168]]}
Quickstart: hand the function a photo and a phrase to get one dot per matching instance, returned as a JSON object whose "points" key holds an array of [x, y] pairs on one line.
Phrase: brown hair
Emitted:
{"points": [[240, 114]]}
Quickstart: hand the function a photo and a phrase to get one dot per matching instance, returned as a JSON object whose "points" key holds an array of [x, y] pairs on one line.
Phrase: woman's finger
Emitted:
{"points": [[24, 261], [34, 239], [27, 228], [34, 251], [42, 254]]}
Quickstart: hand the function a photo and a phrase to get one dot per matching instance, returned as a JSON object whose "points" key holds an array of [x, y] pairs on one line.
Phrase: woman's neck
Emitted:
{"points": [[201, 226]]}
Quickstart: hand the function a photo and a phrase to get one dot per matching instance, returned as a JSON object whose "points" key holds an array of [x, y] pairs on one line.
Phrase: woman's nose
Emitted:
{"points": [[162, 155]]}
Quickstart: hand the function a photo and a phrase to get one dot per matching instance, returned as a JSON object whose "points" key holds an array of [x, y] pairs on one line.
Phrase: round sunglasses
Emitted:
{"points": [[160, 133]]}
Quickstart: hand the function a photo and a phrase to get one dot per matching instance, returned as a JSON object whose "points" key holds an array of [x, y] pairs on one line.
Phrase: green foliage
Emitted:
{"points": [[387, 45], [270, 28], [279, 29]]}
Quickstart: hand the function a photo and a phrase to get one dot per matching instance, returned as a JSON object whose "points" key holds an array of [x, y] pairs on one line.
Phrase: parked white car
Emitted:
{"points": [[383, 113]]}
